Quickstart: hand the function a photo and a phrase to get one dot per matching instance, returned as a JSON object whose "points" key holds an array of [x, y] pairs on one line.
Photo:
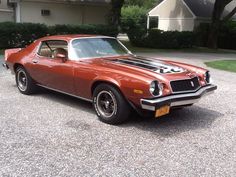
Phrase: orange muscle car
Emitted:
{"points": [[103, 71]]}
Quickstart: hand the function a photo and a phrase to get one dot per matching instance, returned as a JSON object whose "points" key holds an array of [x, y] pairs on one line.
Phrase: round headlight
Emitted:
{"points": [[207, 77], [156, 88]]}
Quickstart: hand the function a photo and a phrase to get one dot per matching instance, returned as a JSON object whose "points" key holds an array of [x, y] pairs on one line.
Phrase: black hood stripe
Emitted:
{"points": [[137, 63], [157, 66]]}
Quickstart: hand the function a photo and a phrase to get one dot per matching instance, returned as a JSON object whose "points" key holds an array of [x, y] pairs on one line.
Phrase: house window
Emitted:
{"points": [[154, 21], [45, 12]]}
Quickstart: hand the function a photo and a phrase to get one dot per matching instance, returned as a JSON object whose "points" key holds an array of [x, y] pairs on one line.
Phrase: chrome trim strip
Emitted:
{"points": [[159, 100], [85, 99], [182, 103], [147, 107]]}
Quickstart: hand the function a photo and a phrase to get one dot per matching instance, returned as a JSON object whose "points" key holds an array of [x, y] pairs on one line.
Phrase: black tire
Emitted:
{"points": [[24, 82], [110, 105]]}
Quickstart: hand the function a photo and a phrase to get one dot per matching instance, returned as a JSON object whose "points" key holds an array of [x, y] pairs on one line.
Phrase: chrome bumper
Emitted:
{"points": [[177, 99], [5, 66]]}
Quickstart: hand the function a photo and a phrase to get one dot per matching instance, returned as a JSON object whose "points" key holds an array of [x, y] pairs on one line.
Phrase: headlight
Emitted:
{"points": [[207, 77], [156, 88]]}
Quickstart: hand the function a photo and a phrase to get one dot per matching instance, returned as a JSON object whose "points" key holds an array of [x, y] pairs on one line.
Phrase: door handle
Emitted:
{"points": [[35, 61]]}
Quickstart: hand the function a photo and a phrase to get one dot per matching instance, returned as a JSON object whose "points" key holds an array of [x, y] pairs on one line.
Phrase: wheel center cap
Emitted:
{"points": [[107, 103], [23, 79]]}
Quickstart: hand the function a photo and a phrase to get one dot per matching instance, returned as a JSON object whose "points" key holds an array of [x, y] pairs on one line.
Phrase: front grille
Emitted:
{"points": [[185, 85]]}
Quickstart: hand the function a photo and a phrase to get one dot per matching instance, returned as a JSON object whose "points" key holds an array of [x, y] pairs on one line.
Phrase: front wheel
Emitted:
{"points": [[110, 105], [24, 82]]}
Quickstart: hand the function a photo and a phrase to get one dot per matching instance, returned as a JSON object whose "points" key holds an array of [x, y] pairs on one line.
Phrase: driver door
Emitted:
{"points": [[52, 71]]}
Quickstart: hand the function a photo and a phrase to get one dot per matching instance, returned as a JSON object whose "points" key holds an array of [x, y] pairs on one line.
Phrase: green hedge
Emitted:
{"points": [[19, 35], [155, 38], [134, 23], [84, 29], [22, 34], [227, 35]]}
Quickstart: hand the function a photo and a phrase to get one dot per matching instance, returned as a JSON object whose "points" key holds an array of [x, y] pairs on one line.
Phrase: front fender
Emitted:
{"points": [[131, 88]]}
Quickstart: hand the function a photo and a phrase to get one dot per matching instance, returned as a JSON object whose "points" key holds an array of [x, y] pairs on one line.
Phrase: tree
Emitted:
{"points": [[116, 11], [147, 4], [218, 20]]}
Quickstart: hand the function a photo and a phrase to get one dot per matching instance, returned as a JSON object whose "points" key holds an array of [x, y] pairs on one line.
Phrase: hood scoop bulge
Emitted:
{"points": [[153, 65]]}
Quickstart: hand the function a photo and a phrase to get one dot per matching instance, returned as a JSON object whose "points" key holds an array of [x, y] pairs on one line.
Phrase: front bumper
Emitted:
{"points": [[5, 66], [177, 99]]}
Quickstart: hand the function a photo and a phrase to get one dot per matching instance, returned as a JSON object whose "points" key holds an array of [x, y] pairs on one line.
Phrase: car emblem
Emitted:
{"points": [[192, 83]]}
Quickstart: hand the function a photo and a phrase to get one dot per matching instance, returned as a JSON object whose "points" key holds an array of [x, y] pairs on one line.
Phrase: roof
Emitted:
{"points": [[201, 8], [68, 37], [74, 1], [204, 8]]}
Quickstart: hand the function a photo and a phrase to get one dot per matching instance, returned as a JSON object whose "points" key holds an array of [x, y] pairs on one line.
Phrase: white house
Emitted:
{"points": [[184, 15], [51, 12], [6, 11]]}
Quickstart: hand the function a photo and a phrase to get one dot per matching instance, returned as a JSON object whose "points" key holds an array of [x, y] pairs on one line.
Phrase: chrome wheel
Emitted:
{"points": [[106, 104], [22, 80]]}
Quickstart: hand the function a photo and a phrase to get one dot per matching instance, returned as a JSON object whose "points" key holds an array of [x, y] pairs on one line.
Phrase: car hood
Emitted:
{"points": [[154, 65], [146, 68]]}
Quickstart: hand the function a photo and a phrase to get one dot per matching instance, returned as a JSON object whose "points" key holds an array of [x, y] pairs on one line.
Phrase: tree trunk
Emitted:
{"points": [[216, 23], [213, 35], [116, 11]]}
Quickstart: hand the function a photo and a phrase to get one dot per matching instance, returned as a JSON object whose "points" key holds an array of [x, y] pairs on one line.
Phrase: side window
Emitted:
{"points": [[50, 48]]}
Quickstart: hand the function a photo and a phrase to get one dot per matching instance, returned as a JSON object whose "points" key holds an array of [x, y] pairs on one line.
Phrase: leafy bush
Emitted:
{"points": [[84, 29], [133, 17], [22, 34], [169, 39], [162, 39], [202, 34], [133, 22], [19, 34], [227, 35]]}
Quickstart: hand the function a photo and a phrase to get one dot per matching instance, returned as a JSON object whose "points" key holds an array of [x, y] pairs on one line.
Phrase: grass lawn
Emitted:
{"points": [[227, 65], [191, 50]]}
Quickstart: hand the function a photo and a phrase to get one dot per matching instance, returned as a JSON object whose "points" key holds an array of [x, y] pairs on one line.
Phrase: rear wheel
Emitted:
{"points": [[110, 105], [24, 82]]}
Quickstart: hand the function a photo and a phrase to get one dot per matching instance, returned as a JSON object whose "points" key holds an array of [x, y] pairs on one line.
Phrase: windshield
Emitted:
{"points": [[97, 47]]}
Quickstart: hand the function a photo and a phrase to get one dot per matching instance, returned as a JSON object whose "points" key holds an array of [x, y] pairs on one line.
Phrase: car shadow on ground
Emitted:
{"points": [[65, 100], [178, 121]]}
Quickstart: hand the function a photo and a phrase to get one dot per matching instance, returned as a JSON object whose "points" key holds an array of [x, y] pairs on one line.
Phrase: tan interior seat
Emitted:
{"points": [[59, 51], [46, 53]]}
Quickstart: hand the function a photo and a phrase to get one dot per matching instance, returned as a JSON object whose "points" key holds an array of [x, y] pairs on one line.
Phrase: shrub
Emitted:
{"points": [[161, 39], [84, 29], [133, 22], [21, 34], [169, 39], [133, 17], [226, 38], [202, 34]]}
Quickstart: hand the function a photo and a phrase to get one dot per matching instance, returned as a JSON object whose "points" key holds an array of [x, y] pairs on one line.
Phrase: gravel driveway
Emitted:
{"points": [[50, 134]]}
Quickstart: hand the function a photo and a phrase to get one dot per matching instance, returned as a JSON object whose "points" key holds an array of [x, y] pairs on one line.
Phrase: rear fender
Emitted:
{"points": [[9, 52]]}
